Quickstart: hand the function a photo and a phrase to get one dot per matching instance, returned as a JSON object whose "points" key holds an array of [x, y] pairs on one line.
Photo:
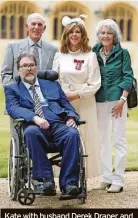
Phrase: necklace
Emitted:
{"points": [[75, 52], [106, 53]]}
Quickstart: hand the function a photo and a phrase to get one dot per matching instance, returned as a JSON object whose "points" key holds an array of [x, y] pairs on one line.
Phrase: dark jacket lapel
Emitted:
{"points": [[24, 92], [43, 87]]}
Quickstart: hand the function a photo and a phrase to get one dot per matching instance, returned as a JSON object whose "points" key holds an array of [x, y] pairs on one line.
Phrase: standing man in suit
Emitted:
{"points": [[43, 50], [47, 113]]}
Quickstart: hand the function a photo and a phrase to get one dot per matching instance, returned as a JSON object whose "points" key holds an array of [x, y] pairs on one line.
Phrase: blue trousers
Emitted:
{"points": [[67, 141]]}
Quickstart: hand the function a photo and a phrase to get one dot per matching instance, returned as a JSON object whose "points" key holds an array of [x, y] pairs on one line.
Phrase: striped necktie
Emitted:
{"points": [[38, 106], [36, 53]]}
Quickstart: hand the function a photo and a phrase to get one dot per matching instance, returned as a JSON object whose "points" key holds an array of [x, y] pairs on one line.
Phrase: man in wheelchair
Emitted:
{"points": [[47, 115]]}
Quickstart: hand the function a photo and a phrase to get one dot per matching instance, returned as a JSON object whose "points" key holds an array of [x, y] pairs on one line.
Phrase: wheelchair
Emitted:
{"points": [[19, 169], [20, 165]]}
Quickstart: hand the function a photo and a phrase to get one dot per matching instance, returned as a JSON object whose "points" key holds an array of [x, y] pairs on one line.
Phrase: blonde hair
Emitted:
{"points": [[65, 38]]}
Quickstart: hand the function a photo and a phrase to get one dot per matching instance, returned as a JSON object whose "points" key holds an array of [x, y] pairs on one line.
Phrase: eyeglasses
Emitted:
{"points": [[28, 67]]}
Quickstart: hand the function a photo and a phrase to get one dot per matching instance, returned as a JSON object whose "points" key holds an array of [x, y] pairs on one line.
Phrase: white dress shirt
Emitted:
{"points": [[37, 88]]}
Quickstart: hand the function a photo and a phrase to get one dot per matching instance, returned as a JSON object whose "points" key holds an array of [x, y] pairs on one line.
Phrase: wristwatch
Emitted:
{"points": [[123, 98]]}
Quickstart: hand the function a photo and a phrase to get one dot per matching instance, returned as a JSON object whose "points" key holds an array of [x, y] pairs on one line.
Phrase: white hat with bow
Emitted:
{"points": [[67, 20]]}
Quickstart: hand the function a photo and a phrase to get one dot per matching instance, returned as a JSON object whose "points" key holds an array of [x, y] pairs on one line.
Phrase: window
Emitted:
{"points": [[122, 26], [129, 30], [3, 26], [12, 27], [21, 29], [71, 9], [123, 15], [13, 17], [55, 28]]}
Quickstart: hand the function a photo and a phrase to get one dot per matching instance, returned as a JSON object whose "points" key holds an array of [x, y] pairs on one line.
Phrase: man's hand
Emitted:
{"points": [[71, 123], [42, 123], [117, 109], [71, 96]]}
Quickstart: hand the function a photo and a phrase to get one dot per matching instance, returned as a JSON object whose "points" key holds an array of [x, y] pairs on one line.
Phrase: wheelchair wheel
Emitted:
{"points": [[83, 200], [13, 170], [26, 196], [82, 179], [84, 194]]}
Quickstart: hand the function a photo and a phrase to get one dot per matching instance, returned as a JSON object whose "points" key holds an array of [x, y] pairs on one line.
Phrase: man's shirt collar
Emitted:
{"points": [[31, 42], [27, 85]]}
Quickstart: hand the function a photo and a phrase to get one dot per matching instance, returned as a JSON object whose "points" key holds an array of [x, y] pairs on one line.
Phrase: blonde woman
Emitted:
{"points": [[79, 76]]}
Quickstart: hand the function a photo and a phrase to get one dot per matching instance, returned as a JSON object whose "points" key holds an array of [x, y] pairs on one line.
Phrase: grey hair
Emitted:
{"points": [[28, 55], [35, 15], [112, 26]]}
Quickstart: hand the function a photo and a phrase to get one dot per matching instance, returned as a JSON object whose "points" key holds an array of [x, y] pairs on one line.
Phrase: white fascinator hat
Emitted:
{"points": [[79, 20]]}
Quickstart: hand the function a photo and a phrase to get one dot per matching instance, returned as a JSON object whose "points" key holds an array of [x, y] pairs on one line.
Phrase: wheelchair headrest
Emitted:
{"points": [[44, 74], [48, 75]]}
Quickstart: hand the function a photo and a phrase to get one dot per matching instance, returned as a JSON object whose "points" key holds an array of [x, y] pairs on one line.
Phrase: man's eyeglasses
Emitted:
{"points": [[28, 67]]}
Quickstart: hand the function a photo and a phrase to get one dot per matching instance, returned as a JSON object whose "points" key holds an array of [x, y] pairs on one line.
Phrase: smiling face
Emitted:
{"points": [[106, 37], [75, 37], [28, 69], [35, 28]]}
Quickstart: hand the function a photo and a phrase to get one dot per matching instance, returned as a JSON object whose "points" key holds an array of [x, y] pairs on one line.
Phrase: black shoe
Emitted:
{"points": [[70, 189], [49, 186]]}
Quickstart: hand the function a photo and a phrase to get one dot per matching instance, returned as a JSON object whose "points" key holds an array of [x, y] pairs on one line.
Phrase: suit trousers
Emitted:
{"points": [[119, 141], [66, 140]]}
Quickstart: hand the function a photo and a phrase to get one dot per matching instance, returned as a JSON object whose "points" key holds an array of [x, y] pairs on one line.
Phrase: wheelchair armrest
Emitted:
{"points": [[18, 120], [80, 122]]}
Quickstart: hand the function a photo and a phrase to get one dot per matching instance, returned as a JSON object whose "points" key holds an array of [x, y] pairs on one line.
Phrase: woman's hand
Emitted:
{"points": [[71, 96], [117, 109]]}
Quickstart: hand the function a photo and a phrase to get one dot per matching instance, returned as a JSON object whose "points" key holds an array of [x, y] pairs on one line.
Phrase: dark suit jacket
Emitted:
{"points": [[9, 68], [19, 103]]}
